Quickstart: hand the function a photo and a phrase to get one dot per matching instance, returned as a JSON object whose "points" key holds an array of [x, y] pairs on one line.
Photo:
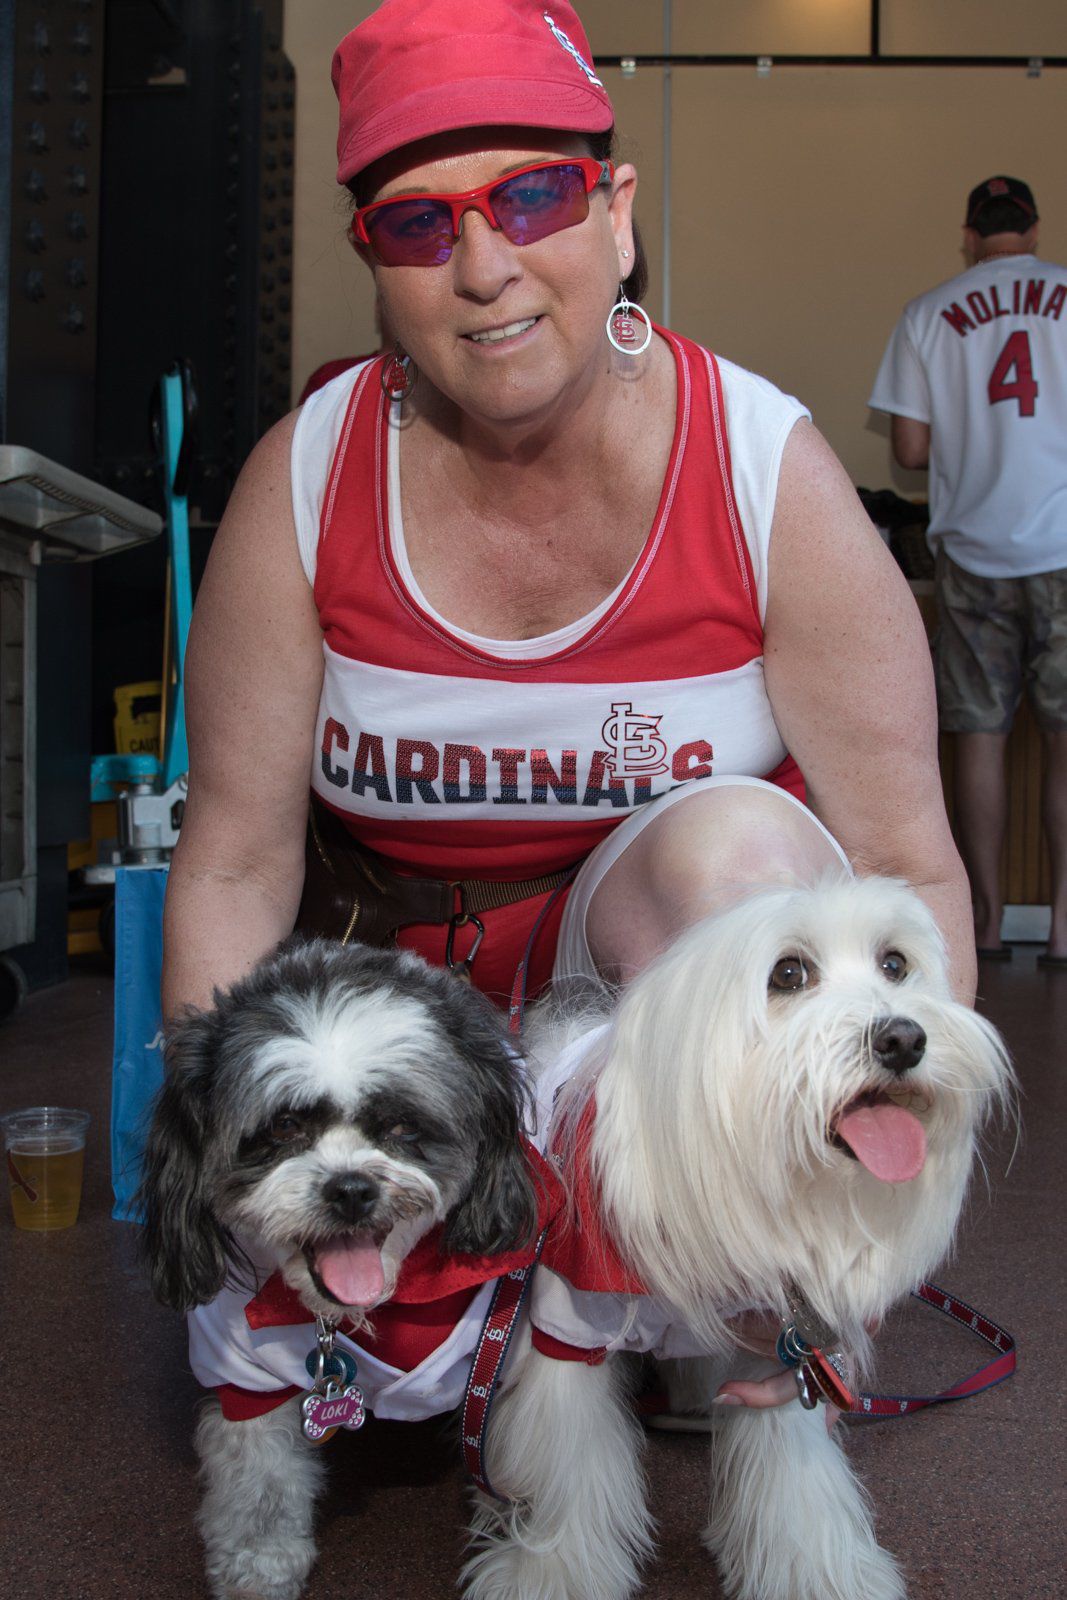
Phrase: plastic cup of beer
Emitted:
{"points": [[44, 1152]]}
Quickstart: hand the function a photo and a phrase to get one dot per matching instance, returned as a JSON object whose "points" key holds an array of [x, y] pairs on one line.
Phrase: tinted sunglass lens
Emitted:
{"points": [[411, 233], [532, 205]]}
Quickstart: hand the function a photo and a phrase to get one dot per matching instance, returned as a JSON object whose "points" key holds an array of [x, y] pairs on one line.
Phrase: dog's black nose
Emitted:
{"points": [[897, 1044], [351, 1194]]}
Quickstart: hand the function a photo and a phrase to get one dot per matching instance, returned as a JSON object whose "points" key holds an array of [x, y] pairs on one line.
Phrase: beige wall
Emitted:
{"points": [[807, 206], [333, 308]]}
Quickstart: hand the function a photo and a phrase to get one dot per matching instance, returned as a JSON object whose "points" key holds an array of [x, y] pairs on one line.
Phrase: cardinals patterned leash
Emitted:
{"points": [[880, 1407], [502, 1317]]}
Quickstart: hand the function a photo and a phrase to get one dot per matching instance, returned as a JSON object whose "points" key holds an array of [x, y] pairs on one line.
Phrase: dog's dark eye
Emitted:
{"points": [[285, 1128], [894, 965], [405, 1133], [789, 973]]}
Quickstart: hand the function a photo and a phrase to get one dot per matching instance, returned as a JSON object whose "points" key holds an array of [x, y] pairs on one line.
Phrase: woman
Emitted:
{"points": [[555, 579]]}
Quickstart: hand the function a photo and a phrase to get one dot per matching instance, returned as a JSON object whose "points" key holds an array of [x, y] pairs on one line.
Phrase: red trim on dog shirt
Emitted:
{"points": [[556, 1350], [404, 1336], [241, 1405]]}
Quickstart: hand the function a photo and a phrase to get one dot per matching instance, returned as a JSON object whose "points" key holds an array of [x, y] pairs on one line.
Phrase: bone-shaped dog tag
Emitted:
{"points": [[335, 1408]]}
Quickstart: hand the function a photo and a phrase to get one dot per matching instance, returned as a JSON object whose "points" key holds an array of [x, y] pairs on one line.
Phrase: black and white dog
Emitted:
{"points": [[341, 1112]]}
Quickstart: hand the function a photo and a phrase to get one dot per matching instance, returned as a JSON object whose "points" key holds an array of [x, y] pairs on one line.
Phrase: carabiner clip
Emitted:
{"points": [[462, 967]]}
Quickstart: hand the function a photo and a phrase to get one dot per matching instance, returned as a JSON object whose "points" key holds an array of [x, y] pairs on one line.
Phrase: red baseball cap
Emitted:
{"points": [[419, 67]]}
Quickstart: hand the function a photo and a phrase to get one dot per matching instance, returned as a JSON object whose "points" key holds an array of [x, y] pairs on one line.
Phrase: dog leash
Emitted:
{"points": [[501, 1319], [517, 1002], [882, 1407]]}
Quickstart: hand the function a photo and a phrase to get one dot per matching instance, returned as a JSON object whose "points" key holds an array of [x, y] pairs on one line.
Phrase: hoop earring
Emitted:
{"points": [[622, 334], [399, 375]]}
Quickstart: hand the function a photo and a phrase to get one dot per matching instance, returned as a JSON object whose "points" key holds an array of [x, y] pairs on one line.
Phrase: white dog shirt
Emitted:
{"points": [[256, 1368], [252, 1344]]}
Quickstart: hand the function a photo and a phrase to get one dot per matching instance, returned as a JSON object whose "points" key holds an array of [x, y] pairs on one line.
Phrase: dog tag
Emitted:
{"points": [[825, 1370], [336, 1408], [810, 1328], [339, 1366], [806, 1345], [808, 1396]]}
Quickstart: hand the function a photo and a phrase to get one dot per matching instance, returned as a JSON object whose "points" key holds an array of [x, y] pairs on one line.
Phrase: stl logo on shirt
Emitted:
{"points": [[634, 747]]}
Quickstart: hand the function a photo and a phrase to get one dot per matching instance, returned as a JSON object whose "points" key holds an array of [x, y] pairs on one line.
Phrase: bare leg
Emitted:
{"points": [[981, 823], [1054, 820], [695, 858]]}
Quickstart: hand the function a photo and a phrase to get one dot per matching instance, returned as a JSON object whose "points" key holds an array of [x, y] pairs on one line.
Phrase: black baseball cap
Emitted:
{"points": [[1000, 188]]}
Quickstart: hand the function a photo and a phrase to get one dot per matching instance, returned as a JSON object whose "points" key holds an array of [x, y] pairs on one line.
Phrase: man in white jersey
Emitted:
{"points": [[975, 380]]}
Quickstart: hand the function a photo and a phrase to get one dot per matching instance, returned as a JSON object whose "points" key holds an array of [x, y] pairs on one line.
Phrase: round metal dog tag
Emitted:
{"points": [[338, 1367]]}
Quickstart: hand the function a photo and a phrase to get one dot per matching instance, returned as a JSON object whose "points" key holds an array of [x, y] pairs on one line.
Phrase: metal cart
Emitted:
{"points": [[47, 513]]}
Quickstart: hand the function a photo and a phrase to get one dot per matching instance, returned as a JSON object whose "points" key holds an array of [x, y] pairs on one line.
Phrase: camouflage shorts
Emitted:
{"points": [[996, 638]]}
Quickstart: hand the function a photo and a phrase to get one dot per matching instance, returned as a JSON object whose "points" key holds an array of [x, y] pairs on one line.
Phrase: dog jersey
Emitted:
{"points": [[461, 756], [253, 1351], [983, 360]]}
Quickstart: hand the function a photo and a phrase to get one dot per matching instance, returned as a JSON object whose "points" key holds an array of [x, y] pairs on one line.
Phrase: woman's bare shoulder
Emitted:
{"points": [[263, 491]]}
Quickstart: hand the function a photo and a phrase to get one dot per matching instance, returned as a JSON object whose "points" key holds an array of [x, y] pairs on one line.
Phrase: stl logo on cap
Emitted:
{"points": [[562, 39], [997, 186]]}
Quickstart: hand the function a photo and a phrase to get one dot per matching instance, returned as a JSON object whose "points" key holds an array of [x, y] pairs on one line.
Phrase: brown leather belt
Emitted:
{"points": [[351, 892]]}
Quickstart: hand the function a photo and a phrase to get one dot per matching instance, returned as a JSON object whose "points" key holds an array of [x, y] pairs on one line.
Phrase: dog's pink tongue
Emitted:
{"points": [[352, 1271], [890, 1142]]}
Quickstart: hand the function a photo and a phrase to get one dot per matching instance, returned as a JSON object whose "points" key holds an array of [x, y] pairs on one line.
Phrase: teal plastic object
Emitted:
{"points": [[109, 774], [174, 409]]}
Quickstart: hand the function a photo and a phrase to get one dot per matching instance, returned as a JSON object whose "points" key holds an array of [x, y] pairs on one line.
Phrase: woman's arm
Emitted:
{"points": [[253, 676], [850, 682]]}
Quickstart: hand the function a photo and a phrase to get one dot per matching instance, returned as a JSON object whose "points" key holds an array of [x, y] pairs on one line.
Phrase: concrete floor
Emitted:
{"points": [[98, 1473]]}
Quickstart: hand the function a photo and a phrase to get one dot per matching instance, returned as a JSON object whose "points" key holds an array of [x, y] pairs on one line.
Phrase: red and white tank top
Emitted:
{"points": [[472, 757]]}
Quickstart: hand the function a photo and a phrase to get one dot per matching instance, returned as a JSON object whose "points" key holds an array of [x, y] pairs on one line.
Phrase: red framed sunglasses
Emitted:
{"points": [[419, 230]]}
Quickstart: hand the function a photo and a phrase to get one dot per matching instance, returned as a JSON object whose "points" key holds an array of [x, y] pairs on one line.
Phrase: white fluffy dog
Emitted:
{"points": [[788, 1100]]}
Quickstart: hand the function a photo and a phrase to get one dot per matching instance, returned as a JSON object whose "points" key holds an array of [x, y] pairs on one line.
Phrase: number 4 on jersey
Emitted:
{"points": [[1015, 355]]}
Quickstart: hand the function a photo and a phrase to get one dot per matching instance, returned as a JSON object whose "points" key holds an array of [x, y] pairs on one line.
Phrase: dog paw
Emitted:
{"points": [[267, 1572], [867, 1575], [790, 1521], [509, 1572]]}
